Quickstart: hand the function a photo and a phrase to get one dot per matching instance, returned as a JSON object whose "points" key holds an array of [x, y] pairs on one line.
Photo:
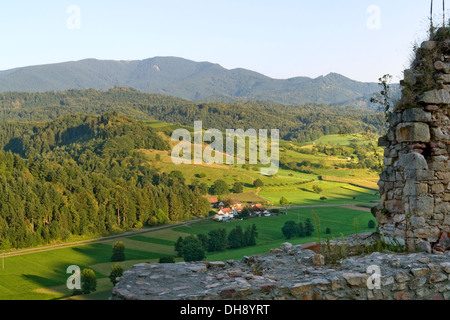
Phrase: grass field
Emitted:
{"points": [[42, 276]]}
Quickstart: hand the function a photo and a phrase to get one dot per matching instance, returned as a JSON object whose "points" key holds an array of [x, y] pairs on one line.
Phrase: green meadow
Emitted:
{"points": [[42, 275]]}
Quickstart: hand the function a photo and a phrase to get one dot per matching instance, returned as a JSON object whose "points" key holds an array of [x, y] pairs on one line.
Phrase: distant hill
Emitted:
{"points": [[196, 81], [296, 122]]}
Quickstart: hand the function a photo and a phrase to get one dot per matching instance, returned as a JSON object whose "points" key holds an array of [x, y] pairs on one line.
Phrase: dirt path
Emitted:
{"points": [[353, 207]]}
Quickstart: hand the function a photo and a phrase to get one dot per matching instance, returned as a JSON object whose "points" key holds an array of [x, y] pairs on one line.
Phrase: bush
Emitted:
{"points": [[219, 187], [166, 260], [118, 252], [88, 281], [284, 201], [328, 231], [238, 187], [372, 224], [289, 229], [258, 183], [309, 228], [192, 249], [116, 272]]}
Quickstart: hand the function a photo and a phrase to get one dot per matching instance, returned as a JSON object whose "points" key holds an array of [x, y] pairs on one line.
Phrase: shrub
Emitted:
{"points": [[116, 272], [258, 183], [166, 260], [88, 281], [192, 249], [118, 252]]}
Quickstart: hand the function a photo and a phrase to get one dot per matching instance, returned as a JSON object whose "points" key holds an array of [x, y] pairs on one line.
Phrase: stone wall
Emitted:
{"points": [[289, 273], [414, 186]]}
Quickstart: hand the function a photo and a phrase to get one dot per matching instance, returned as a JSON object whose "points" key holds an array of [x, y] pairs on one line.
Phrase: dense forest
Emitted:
{"points": [[296, 123], [82, 175]]}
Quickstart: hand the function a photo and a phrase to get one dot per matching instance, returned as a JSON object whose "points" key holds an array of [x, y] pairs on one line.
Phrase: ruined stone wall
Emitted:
{"points": [[291, 273], [414, 186]]}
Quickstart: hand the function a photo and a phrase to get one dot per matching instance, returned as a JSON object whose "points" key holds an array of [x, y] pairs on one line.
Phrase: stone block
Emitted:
{"points": [[319, 260], [438, 277], [416, 115], [429, 45], [437, 96], [356, 280], [437, 188], [444, 78], [413, 132], [412, 161], [301, 288], [402, 277]]}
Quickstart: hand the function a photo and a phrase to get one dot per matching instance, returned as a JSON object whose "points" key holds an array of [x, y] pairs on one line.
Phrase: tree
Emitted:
{"points": [[289, 229], [245, 213], [220, 187], [317, 189], [328, 231], [203, 238], [217, 240], [309, 227], [236, 238], [192, 249], [238, 187], [179, 246], [88, 281], [177, 175], [258, 183], [372, 224], [116, 272], [118, 252], [284, 201], [301, 230], [250, 235]]}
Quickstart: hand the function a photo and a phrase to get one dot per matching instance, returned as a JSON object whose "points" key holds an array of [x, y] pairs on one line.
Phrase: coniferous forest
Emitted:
{"points": [[297, 123], [82, 175]]}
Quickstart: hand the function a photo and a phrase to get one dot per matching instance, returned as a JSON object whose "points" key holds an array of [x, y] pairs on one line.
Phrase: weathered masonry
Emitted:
{"points": [[292, 273], [414, 186]]}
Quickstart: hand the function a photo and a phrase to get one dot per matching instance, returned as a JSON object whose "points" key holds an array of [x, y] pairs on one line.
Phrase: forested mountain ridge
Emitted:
{"points": [[85, 175], [197, 81], [300, 123]]}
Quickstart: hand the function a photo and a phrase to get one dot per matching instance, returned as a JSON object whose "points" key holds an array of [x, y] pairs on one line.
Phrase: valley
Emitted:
{"points": [[348, 192]]}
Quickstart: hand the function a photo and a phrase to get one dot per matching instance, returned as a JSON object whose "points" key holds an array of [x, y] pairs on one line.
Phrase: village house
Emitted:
{"points": [[259, 209], [224, 214], [214, 202]]}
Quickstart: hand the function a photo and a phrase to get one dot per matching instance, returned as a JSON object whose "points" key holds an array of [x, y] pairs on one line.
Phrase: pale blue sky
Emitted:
{"points": [[278, 38]]}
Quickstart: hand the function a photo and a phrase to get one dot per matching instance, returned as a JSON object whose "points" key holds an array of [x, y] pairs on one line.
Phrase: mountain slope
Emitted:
{"points": [[198, 81]]}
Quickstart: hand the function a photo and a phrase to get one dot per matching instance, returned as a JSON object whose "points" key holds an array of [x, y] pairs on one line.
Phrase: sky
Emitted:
{"points": [[360, 39]]}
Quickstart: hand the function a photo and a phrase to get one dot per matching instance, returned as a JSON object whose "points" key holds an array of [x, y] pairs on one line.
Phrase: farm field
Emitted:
{"points": [[42, 275], [340, 185]]}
